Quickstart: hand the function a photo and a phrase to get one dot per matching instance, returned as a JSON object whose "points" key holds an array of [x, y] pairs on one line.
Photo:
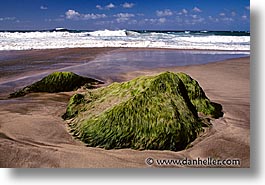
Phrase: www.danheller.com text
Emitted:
{"points": [[194, 162]]}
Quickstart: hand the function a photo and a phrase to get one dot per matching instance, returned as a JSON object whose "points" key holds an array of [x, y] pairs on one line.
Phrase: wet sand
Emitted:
{"points": [[21, 68], [32, 133], [17, 63]]}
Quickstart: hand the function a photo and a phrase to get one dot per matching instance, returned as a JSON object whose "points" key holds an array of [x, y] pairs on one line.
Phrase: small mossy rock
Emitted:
{"points": [[145, 113], [57, 82]]}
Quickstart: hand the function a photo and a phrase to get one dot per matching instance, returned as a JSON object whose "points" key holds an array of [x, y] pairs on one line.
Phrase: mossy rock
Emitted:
{"points": [[145, 113], [57, 82], [72, 108], [198, 97]]}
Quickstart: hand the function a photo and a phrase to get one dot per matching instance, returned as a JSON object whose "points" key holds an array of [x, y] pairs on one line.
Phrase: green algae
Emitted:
{"points": [[158, 112], [57, 82], [74, 105], [198, 97]]}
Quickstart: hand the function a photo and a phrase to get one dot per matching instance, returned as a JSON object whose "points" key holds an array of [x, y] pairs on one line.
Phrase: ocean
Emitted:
{"points": [[238, 41]]}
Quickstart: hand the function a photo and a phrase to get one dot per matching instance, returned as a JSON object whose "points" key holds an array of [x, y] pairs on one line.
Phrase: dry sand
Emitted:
{"points": [[32, 133]]}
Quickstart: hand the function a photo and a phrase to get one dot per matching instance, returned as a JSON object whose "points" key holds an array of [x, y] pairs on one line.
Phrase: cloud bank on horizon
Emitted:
{"points": [[118, 14]]}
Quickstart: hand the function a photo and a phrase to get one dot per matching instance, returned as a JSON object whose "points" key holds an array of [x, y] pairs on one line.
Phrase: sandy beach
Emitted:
{"points": [[33, 134]]}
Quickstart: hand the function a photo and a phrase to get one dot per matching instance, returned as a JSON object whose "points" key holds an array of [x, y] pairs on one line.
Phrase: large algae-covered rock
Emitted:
{"points": [[56, 82], [198, 97], [145, 113]]}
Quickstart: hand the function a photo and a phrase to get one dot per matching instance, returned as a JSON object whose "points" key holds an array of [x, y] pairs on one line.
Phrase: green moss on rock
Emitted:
{"points": [[57, 82], [74, 105], [145, 113], [198, 97]]}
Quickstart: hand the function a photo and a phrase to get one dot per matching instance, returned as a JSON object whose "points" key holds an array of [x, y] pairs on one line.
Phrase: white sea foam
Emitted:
{"points": [[121, 38], [108, 33]]}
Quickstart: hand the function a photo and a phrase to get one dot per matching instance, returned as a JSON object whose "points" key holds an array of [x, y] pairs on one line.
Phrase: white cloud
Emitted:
{"points": [[213, 19], [133, 21], [107, 7], [93, 16], [7, 18], [196, 9], [194, 16], [110, 6], [74, 15], [227, 19], [99, 7], [54, 20], [233, 13], [162, 20], [140, 14], [120, 20], [123, 17], [156, 21], [183, 11], [127, 5], [244, 17], [164, 13], [195, 20], [104, 22], [150, 20], [43, 7], [198, 21]]}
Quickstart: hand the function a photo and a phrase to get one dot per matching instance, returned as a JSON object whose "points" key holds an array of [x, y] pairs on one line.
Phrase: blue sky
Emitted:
{"points": [[125, 14]]}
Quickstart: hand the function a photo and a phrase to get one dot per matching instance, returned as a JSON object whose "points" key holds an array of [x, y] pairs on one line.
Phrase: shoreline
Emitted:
{"points": [[21, 68], [133, 48], [122, 38], [66, 57], [41, 139]]}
